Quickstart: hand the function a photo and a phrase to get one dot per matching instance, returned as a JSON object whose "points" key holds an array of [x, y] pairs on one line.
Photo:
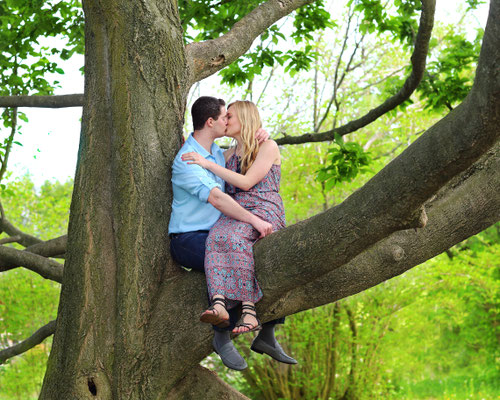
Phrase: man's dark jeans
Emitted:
{"points": [[188, 249]]}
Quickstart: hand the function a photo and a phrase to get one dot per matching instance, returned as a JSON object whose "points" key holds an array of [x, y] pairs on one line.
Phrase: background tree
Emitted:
{"points": [[120, 288]]}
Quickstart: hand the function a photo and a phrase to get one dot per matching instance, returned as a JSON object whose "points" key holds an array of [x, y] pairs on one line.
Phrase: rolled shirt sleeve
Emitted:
{"points": [[191, 186], [194, 179]]}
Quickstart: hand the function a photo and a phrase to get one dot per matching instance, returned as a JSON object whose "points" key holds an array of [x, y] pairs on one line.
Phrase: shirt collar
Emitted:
{"points": [[199, 148]]}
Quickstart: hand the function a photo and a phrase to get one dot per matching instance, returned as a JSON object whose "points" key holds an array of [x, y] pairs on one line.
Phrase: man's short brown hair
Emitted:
{"points": [[204, 108]]}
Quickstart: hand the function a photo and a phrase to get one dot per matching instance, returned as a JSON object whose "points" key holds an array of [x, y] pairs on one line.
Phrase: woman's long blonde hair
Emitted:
{"points": [[250, 122]]}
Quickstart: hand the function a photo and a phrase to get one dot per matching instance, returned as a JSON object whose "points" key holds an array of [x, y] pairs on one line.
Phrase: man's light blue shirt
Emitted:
{"points": [[192, 185]]}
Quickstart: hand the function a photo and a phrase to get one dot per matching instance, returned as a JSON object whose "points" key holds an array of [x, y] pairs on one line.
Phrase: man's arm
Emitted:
{"points": [[226, 205]]}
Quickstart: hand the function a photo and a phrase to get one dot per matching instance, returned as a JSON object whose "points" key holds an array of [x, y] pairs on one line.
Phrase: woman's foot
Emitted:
{"points": [[216, 314], [248, 321]]}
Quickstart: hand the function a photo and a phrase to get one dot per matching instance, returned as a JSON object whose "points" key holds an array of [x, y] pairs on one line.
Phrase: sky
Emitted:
{"points": [[50, 138]]}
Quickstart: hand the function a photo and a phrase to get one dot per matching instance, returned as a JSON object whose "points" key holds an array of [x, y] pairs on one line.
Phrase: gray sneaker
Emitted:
{"points": [[230, 356], [274, 350]]}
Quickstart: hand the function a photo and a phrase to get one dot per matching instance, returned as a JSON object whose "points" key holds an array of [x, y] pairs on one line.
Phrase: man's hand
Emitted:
{"points": [[261, 135], [264, 228]]}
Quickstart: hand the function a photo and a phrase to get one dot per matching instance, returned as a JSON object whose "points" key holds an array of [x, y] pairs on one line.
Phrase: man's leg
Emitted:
{"points": [[266, 343], [188, 249]]}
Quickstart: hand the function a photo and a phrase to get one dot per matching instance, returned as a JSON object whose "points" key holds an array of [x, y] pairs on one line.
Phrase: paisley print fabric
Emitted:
{"points": [[229, 264]]}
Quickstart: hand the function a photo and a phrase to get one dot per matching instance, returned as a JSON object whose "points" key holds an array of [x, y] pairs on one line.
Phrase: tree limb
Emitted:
{"points": [[10, 239], [38, 337], [67, 100], [208, 57], [390, 200], [418, 60], [473, 196], [10, 141], [466, 206], [25, 239], [51, 248], [47, 268]]}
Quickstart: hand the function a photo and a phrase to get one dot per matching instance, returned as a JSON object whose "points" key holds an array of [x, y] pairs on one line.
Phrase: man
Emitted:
{"points": [[199, 199]]}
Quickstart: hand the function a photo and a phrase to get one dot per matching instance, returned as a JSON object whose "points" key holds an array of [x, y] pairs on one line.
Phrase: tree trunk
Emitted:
{"points": [[128, 317], [117, 255]]}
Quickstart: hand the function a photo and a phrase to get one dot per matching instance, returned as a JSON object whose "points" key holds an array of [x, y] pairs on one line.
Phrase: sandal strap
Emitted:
{"points": [[248, 307], [219, 301]]}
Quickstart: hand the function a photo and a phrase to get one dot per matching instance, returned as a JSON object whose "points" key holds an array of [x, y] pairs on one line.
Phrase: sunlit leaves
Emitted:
{"points": [[449, 79], [345, 160], [206, 19], [402, 22]]}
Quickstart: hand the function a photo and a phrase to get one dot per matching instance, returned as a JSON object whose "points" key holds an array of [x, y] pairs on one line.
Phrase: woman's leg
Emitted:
{"points": [[248, 321], [217, 313]]}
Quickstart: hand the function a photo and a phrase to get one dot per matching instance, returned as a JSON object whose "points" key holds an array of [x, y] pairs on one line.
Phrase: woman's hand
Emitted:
{"points": [[195, 158]]}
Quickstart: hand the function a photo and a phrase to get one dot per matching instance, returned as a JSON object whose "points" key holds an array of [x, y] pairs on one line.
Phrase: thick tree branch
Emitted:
{"points": [[51, 248], [67, 100], [206, 58], [418, 60], [389, 201], [202, 383], [10, 239], [47, 268], [466, 206], [11, 230], [38, 337]]}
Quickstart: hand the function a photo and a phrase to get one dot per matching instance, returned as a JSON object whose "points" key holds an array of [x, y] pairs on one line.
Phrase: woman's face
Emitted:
{"points": [[233, 127]]}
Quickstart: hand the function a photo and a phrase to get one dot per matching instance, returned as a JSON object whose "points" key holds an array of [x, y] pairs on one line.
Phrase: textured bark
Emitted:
{"points": [[463, 208], [135, 95], [67, 100], [206, 58], [128, 318]]}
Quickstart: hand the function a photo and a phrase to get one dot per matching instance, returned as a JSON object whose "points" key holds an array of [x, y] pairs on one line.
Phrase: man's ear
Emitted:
{"points": [[210, 122]]}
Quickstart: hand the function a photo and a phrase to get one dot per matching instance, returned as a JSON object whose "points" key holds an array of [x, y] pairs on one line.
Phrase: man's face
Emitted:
{"points": [[219, 126]]}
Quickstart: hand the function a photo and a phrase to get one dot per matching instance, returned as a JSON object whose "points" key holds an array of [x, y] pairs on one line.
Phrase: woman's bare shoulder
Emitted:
{"points": [[269, 145]]}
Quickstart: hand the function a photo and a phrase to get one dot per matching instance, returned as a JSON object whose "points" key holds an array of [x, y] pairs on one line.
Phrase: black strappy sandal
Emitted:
{"points": [[211, 315], [251, 328]]}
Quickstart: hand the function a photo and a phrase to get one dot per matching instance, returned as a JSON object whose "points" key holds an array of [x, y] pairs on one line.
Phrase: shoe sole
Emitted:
{"points": [[210, 318], [274, 358]]}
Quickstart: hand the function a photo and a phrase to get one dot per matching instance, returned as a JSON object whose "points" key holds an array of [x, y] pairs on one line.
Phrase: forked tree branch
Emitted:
{"points": [[46, 267], [25, 238], [206, 58], [67, 100], [38, 337], [418, 60], [469, 201], [10, 239], [51, 248]]}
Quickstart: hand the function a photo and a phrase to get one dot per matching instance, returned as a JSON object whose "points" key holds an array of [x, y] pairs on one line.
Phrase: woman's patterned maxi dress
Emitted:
{"points": [[229, 264]]}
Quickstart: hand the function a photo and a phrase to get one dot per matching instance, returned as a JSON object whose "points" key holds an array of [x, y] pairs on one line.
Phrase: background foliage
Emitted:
{"points": [[431, 333]]}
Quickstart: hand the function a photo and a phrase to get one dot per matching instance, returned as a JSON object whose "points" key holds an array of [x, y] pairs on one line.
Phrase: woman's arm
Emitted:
{"points": [[268, 155]]}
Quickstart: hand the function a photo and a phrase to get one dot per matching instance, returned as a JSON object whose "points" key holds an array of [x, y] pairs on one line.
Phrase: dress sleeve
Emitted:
{"points": [[193, 179]]}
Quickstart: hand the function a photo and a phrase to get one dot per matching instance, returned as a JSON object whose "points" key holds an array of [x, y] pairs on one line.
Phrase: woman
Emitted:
{"points": [[252, 175]]}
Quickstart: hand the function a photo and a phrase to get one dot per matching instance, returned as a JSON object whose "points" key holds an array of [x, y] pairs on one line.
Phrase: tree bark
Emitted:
{"points": [[117, 254], [66, 100], [128, 317]]}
